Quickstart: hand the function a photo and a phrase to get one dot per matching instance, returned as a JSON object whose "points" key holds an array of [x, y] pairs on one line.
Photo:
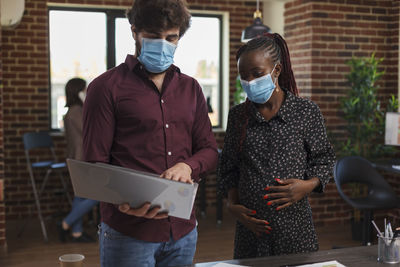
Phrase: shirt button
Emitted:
{"points": [[169, 153], [166, 125], [162, 101]]}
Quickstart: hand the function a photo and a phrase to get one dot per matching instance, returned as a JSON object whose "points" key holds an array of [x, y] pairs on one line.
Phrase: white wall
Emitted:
{"points": [[273, 14]]}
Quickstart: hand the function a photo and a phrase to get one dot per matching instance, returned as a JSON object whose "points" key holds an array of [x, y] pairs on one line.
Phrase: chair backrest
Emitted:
{"points": [[355, 169], [37, 140]]}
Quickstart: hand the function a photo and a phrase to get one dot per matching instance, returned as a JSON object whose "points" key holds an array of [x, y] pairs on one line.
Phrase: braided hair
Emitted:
{"points": [[276, 47]]}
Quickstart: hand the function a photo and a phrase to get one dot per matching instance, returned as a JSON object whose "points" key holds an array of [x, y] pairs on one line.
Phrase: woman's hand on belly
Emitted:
{"points": [[289, 191], [245, 216]]}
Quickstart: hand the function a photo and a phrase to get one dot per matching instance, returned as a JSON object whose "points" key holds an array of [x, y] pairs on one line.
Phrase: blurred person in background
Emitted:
{"points": [[75, 92]]}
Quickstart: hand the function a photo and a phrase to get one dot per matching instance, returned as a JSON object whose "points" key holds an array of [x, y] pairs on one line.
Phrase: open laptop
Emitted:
{"points": [[117, 185]]}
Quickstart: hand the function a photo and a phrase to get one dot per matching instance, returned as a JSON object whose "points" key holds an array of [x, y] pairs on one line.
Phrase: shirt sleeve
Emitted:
{"points": [[204, 146], [98, 122], [228, 165], [320, 154]]}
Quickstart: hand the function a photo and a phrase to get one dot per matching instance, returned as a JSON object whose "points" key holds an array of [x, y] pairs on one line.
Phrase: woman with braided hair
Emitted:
{"points": [[276, 152]]}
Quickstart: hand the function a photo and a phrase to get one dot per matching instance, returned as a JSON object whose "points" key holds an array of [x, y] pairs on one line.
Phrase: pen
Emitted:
{"points": [[377, 229], [390, 230], [386, 229], [384, 222], [395, 235]]}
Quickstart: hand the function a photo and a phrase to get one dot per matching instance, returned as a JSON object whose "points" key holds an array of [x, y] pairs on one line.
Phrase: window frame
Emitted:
{"points": [[220, 17], [112, 13]]}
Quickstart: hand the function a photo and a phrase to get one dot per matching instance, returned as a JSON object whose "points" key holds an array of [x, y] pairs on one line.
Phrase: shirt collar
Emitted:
{"points": [[283, 112]]}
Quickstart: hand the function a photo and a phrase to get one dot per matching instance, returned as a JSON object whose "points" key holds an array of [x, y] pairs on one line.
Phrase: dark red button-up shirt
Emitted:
{"points": [[129, 123]]}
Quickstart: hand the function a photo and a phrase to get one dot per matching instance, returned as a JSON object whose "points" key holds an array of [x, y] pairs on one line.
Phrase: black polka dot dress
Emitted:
{"points": [[293, 144]]}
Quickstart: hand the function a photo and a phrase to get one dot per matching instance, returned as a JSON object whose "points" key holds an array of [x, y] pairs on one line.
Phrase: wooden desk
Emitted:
{"points": [[387, 166], [352, 257]]}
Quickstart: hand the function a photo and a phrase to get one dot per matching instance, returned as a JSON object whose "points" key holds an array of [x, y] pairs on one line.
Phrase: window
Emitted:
{"points": [[198, 55], [87, 42], [74, 53]]}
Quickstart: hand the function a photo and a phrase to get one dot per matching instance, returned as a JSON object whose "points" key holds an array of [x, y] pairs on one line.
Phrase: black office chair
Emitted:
{"points": [[203, 200], [203, 193], [355, 169], [38, 140]]}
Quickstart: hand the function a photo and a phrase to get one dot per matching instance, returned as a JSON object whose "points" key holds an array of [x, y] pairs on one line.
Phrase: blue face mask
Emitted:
{"points": [[259, 90], [156, 54]]}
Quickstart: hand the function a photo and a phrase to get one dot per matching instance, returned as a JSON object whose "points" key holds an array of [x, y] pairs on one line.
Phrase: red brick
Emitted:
{"points": [[355, 41], [321, 35], [1, 191]]}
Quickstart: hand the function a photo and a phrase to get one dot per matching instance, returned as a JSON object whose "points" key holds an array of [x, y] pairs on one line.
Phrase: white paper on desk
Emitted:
{"points": [[323, 264], [228, 265], [392, 129], [397, 167], [117, 185]]}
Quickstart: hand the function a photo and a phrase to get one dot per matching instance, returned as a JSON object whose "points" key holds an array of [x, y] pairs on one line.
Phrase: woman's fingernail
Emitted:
{"points": [[266, 222], [278, 208], [265, 196], [269, 228], [269, 203], [267, 232], [253, 212], [277, 179], [266, 188]]}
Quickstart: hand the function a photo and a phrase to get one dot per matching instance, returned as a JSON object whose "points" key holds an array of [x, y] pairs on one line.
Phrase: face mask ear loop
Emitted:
{"points": [[273, 71], [139, 51], [276, 87]]}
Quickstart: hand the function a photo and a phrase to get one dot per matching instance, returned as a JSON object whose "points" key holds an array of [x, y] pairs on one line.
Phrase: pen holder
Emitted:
{"points": [[389, 249]]}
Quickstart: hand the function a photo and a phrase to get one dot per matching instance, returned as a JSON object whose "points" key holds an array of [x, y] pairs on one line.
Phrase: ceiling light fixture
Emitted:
{"points": [[257, 28]]}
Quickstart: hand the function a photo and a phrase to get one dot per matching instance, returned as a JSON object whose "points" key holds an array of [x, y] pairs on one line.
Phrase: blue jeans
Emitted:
{"points": [[120, 250], [80, 206]]}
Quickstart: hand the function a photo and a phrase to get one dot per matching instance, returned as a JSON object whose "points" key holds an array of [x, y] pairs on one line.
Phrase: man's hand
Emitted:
{"points": [[143, 211], [179, 172], [244, 215], [289, 191]]}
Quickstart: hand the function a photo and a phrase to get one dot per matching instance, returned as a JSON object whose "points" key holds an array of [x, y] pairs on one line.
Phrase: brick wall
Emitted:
{"points": [[26, 92], [2, 204], [322, 36]]}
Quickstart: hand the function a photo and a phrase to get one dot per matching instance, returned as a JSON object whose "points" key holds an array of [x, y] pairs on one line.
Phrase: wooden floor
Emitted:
{"points": [[215, 242]]}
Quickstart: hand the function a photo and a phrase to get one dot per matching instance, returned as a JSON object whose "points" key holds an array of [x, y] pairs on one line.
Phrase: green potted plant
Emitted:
{"points": [[239, 95], [365, 118]]}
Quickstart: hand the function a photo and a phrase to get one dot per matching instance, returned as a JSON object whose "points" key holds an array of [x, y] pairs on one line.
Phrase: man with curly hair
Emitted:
{"points": [[146, 115]]}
